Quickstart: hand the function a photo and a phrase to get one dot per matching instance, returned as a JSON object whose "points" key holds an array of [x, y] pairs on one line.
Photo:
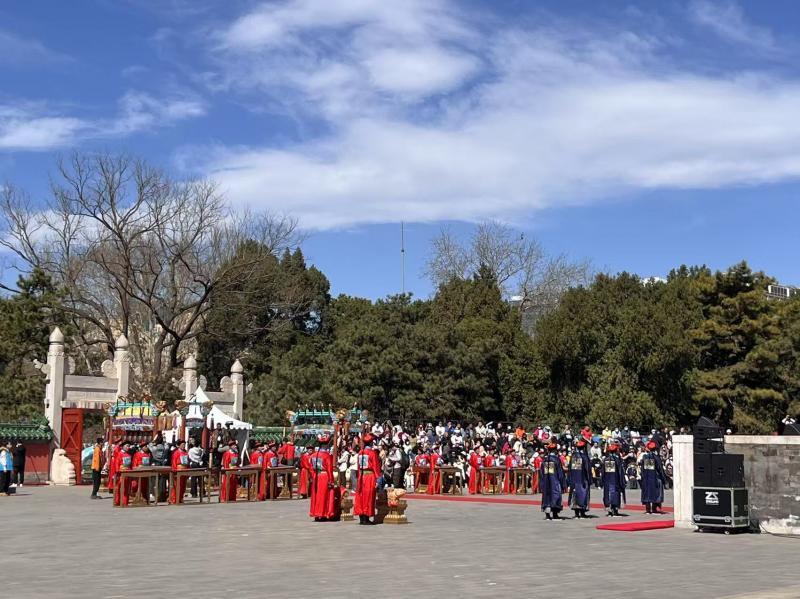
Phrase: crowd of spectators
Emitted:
{"points": [[399, 446]]}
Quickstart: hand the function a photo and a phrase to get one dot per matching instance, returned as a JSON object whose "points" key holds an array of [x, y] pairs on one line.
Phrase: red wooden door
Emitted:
{"points": [[72, 438]]}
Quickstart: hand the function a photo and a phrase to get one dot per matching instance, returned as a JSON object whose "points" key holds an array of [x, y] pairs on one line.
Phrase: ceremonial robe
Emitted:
{"points": [[552, 483], [286, 453], [124, 461], [142, 459], [230, 482], [474, 473], [613, 481], [508, 484], [304, 479], [489, 480], [178, 461], [580, 479], [653, 478], [323, 497], [368, 471], [435, 477], [112, 468]]}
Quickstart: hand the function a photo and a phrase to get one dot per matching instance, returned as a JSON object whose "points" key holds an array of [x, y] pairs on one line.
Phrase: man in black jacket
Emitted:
{"points": [[19, 465]]}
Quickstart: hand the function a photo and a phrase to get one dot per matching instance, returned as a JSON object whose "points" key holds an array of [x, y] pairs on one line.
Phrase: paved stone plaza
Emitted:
{"points": [[58, 543]]}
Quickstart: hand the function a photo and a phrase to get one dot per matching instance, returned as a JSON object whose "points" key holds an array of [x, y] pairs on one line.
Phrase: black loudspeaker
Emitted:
{"points": [[708, 429], [702, 470], [792, 429], [707, 446], [727, 470]]}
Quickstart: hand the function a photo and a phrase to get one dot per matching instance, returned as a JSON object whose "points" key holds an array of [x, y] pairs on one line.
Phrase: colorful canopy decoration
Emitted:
{"points": [[133, 415]]}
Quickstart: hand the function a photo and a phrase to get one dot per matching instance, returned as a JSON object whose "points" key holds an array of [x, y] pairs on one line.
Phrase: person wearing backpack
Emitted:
{"points": [[160, 457]]}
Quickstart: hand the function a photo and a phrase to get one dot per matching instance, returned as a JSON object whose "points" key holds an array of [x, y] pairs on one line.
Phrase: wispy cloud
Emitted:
{"points": [[20, 130], [22, 52], [470, 121], [726, 18], [349, 55], [140, 111], [26, 126]]}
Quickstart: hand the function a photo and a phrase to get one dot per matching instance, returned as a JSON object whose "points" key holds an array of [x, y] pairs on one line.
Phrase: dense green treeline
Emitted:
{"points": [[618, 351]]}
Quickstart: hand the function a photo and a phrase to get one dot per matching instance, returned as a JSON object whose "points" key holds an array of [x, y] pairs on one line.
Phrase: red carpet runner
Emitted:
{"points": [[636, 526]]}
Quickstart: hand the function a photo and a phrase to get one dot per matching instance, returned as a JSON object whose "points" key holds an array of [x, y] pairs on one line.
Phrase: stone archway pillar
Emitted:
{"points": [[54, 392]]}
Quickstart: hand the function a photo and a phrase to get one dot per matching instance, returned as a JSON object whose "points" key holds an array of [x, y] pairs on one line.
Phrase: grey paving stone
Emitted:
{"points": [[58, 543]]}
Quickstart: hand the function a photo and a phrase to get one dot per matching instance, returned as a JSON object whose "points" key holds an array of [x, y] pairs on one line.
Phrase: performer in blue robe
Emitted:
{"points": [[552, 483], [613, 480], [653, 479], [580, 479]]}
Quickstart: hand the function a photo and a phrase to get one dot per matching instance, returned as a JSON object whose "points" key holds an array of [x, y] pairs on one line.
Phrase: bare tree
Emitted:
{"points": [[532, 280], [137, 252]]}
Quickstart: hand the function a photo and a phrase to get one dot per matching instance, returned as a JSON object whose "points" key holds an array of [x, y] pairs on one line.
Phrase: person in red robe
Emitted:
{"points": [[256, 458], [474, 472], [304, 479], [422, 463], [489, 480], [142, 459], [123, 461], [536, 465], [369, 469], [435, 477], [509, 462], [270, 461], [323, 499], [286, 452], [230, 482], [112, 467], [179, 461]]}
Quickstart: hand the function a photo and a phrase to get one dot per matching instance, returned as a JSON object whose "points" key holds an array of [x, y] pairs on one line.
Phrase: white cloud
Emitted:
{"points": [[464, 123], [26, 126], [140, 111], [727, 20], [418, 71], [37, 133], [281, 23], [348, 56]]}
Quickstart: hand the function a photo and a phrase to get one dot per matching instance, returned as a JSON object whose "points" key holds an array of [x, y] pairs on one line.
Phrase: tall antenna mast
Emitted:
{"points": [[402, 258]]}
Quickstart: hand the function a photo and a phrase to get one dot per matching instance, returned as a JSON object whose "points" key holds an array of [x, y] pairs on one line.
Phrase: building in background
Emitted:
{"points": [[781, 292]]}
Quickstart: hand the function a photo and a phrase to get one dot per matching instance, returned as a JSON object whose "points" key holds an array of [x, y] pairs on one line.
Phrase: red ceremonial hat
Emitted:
{"points": [[368, 438], [324, 438], [552, 445], [581, 442], [231, 442], [613, 447], [651, 445]]}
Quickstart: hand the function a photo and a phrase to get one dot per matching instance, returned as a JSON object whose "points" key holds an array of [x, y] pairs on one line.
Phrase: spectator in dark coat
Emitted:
{"points": [[19, 465]]}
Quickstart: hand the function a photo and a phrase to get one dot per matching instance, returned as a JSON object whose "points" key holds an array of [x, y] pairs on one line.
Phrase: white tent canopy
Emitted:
{"points": [[219, 417]]}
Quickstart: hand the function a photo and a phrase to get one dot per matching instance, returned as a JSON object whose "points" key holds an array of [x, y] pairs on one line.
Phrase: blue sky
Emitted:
{"points": [[638, 135]]}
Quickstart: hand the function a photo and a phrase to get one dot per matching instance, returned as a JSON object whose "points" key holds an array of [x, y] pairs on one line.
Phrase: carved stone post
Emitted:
{"points": [[122, 365], [237, 378], [55, 383], [189, 377]]}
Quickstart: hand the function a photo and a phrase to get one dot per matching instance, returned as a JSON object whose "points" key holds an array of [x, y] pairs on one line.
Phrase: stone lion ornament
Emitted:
{"points": [[393, 496], [62, 470]]}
